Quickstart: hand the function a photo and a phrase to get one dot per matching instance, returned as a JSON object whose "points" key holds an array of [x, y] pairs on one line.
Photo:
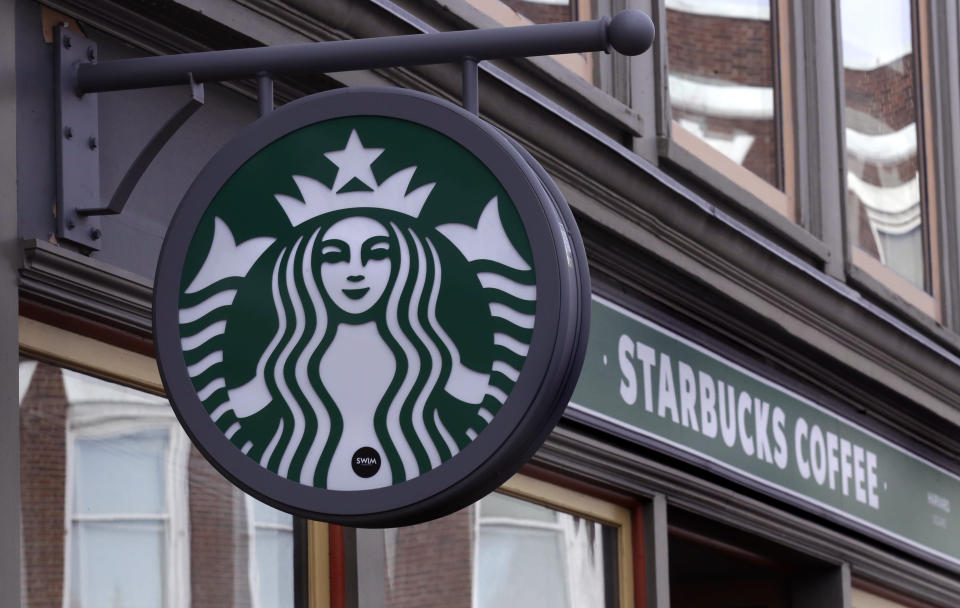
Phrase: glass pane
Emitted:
{"points": [[722, 79], [501, 505], [273, 574], [883, 165], [544, 11], [116, 564], [503, 552], [265, 514], [101, 451], [138, 459], [527, 565]]}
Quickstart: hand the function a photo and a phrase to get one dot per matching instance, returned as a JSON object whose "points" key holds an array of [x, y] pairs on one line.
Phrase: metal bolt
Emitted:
{"points": [[91, 54], [95, 234], [68, 132], [67, 42], [71, 224], [92, 142]]}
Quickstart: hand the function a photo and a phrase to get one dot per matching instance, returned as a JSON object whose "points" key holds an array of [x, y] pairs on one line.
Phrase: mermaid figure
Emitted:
{"points": [[358, 360]]}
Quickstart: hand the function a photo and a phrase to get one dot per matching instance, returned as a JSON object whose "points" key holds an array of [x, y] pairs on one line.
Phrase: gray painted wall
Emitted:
{"points": [[9, 405]]}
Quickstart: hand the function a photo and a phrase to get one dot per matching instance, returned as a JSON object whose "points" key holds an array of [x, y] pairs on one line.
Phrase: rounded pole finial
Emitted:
{"points": [[630, 32]]}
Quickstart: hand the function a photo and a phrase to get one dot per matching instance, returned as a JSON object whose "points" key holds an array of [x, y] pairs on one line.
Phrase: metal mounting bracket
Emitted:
{"points": [[122, 194], [79, 200], [78, 158], [79, 78]]}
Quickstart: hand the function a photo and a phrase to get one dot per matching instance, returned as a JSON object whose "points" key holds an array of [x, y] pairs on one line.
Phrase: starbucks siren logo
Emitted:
{"points": [[353, 337]]}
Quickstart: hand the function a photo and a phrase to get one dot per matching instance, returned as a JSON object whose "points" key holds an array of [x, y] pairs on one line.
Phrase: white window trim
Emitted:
{"points": [[253, 574], [130, 411], [570, 501]]}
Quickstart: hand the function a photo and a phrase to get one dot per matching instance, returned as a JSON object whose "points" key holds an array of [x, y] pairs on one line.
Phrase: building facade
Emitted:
{"points": [[770, 407]]}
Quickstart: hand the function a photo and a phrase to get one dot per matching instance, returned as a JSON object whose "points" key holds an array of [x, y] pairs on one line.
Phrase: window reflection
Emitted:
{"points": [[883, 164], [503, 552], [722, 79], [149, 523], [544, 11]]}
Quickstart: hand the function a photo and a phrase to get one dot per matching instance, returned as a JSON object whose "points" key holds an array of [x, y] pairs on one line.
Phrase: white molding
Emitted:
{"points": [[731, 9], [124, 412]]}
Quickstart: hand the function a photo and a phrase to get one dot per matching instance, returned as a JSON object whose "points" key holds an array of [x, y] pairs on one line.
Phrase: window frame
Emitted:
{"points": [[117, 419], [863, 269], [685, 149], [252, 526], [570, 501], [106, 360]]}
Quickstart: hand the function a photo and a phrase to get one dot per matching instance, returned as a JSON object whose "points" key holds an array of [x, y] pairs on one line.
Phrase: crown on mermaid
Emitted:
{"points": [[354, 162]]}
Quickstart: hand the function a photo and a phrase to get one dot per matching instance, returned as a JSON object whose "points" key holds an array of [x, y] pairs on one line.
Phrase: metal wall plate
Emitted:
{"points": [[77, 134]]}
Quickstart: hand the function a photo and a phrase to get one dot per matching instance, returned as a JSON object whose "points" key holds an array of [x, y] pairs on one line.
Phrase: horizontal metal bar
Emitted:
{"points": [[630, 32]]}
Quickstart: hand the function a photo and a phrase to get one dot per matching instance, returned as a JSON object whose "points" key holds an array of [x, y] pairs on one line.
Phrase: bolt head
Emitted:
{"points": [[92, 143], [68, 132], [71, 224], [95, 234], [67, 42], [91, 53]]}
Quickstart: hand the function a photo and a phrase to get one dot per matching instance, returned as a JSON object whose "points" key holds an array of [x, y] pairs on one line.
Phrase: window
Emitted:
{"points": [[528, 12], [117, 509], [271, 555], [541, 557], [729, 78], [127, 502], [532, 544], [889, 199]]}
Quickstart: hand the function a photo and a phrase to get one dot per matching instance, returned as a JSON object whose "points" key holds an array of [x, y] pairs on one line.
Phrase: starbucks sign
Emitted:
{"points": [[371, 308]]}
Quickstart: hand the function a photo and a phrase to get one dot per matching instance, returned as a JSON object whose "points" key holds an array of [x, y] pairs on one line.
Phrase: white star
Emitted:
{"points": [[354, 162]]}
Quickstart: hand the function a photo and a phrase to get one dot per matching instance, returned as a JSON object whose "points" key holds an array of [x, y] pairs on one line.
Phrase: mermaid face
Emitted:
{"points": [[355, 263]]}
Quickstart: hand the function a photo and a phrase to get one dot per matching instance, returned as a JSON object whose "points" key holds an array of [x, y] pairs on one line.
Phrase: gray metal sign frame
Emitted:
{"points": [[548, 375]]}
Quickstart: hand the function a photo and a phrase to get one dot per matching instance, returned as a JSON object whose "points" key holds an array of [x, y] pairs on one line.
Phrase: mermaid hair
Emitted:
{"points": [[406, 422]]}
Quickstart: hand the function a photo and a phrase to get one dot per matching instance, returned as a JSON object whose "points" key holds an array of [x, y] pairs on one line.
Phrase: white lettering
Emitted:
{"points": [[780, 452], [708, 405], [628, 381], [846, 468], [859, 475], [647, 356], [833, 462], [799, 439], [873, 500], [744, 405], [818, 455], [761, 414], [666, 393], [728, 414], [688, 396]]}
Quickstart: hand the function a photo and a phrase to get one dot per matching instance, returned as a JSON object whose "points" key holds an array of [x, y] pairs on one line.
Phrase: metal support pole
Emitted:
{"points": [[471, 85], [265, 93], [630, 32]]}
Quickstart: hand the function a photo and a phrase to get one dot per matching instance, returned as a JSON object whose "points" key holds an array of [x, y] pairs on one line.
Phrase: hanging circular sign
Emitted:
{"points": [[370, 308]]}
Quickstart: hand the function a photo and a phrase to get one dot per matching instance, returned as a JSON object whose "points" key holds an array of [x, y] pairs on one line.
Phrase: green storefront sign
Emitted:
{"points": [[649, 382]]}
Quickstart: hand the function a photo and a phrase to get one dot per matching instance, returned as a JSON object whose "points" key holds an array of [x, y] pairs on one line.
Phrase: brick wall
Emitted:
{"points": [[735, 50], [43, 415], [722, 50], [433, 564], [218, 539], [217, 513]]}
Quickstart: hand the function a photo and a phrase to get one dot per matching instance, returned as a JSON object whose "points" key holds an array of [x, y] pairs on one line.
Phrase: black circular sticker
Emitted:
{"points": [[376, 268], [366, 462]]}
